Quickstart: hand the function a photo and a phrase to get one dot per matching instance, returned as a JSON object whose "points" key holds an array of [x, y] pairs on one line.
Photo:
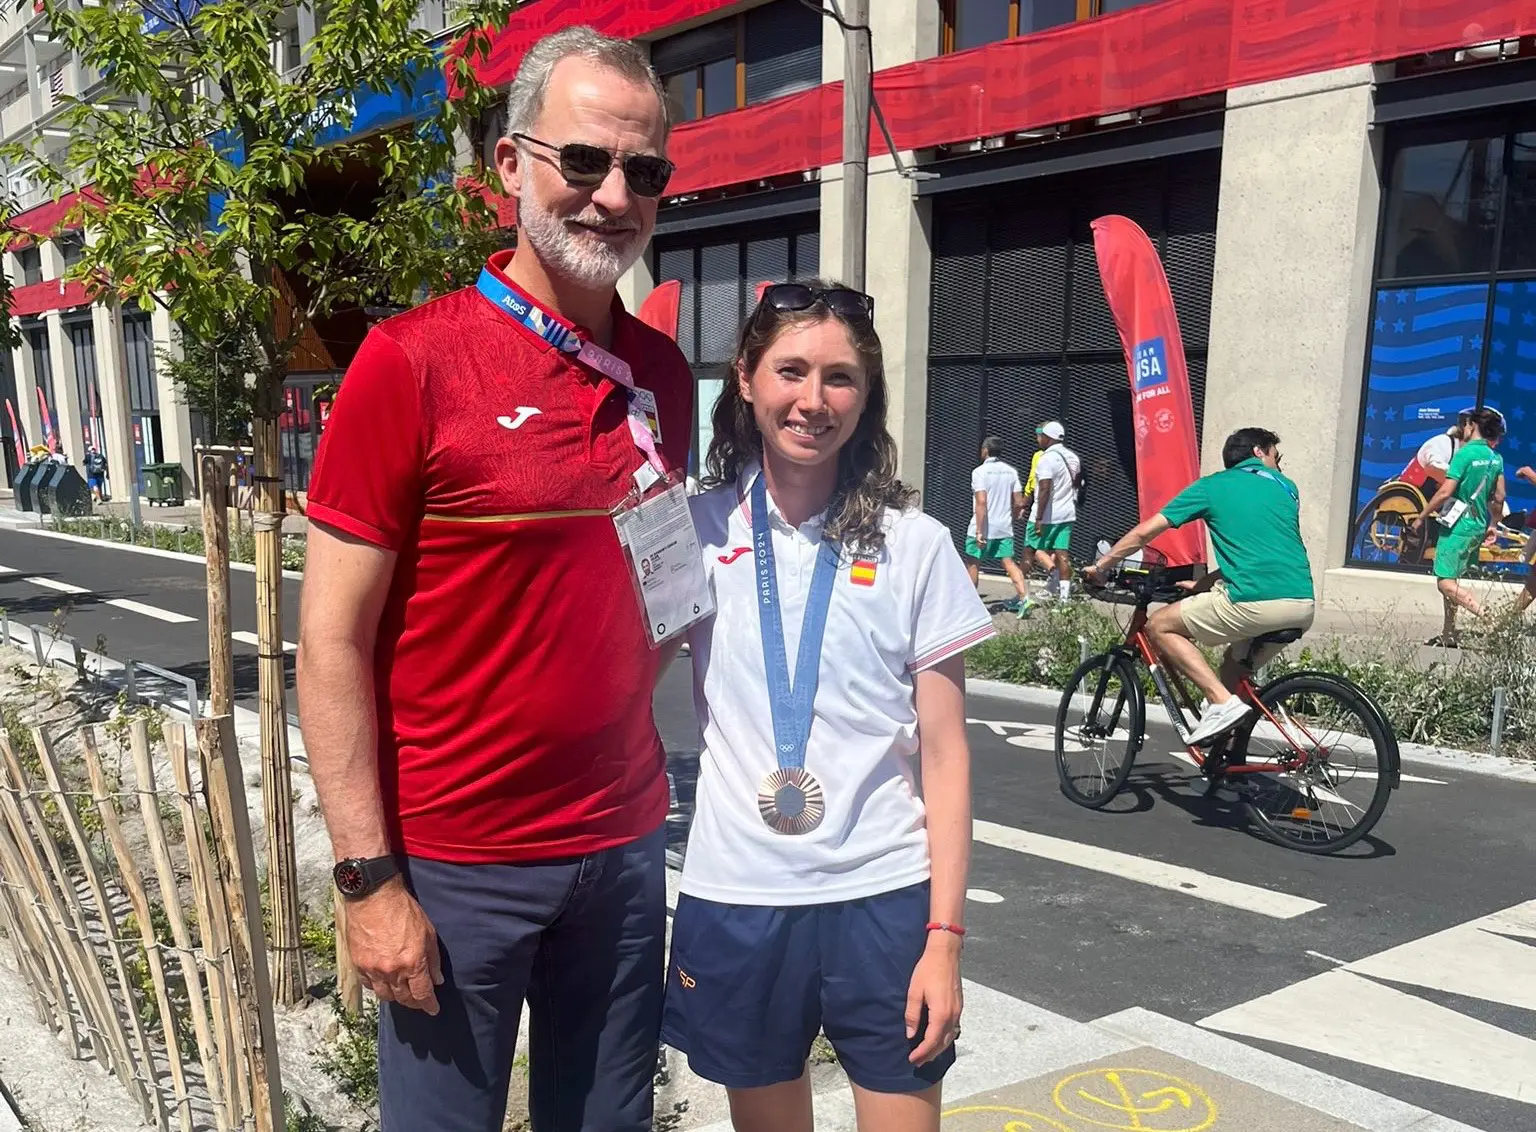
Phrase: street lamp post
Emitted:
{"points": [[856, 67]]}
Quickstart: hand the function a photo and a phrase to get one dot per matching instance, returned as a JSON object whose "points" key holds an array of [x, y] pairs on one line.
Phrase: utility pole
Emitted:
{"points": [[856, 65]]}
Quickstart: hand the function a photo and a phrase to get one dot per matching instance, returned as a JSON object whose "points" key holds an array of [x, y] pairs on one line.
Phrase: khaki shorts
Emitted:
{"points": [[1213, 618]]}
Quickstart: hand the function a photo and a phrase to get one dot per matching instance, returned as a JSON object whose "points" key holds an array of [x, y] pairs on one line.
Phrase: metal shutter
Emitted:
{"points": [[954, 412], [783, 50], [767, 262], [1027, 289], [677, 263], [1091, 325], [695, 48], [139, 360], [1189, 257], [959, 265], [807, 255], [719, 301], [1097, 414]]}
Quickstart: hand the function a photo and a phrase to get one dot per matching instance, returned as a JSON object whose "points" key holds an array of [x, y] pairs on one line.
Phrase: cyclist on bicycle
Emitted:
{"points": [[1264, 583]]}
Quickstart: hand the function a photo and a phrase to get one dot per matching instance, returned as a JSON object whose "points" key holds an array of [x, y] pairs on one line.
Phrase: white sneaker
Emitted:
{"points": [[1223, 717]]}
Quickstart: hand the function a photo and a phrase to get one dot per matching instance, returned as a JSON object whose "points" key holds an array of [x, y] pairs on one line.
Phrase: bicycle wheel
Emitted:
{"points": [[1339, 757], [1099, 728]]}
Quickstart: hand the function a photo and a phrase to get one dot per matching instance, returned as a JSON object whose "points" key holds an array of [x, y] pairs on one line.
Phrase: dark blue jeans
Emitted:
{"points": [[582, 939]]}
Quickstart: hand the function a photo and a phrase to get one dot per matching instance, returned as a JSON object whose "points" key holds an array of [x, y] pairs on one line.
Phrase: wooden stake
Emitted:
{"points": [[138, 898], [170, 899], [31, 947], [276, 775], [109, 1042], [211, 925], [349, 987], [148, 1091], [214, 473], [237, 866]]}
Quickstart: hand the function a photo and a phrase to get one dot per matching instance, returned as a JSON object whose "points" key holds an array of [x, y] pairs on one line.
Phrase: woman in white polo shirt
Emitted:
{"points": [[824, 884]]}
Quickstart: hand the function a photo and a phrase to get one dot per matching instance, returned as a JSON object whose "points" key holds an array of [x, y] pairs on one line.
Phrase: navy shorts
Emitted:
{"points": [[749, 986]]}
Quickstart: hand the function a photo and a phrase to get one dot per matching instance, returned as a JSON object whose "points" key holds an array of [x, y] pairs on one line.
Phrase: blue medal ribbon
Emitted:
{"points": [[792, 703]]}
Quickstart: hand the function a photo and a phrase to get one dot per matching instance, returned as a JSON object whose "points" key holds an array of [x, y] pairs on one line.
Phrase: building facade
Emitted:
{"points": [[1343, 195]]}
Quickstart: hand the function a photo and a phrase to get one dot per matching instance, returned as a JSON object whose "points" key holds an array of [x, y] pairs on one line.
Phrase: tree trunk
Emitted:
{"points": [[213, 471], [276, 777]]}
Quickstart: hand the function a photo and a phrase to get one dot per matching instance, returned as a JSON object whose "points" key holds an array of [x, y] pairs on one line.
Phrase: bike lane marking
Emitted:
{"points": [[1144, 870]]}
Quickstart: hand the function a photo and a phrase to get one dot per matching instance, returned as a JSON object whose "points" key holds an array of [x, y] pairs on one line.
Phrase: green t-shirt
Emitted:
{"points": [[1254, 514], [1475, 468]]}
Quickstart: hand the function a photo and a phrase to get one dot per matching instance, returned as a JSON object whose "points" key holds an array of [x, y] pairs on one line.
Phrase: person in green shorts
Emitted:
{"points": [[1472, 492], [997, 500], [1058, 479]]}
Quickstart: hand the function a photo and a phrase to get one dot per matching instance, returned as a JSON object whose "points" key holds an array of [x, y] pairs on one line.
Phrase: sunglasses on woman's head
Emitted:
{"points": [[587, 166], [841, 301]]}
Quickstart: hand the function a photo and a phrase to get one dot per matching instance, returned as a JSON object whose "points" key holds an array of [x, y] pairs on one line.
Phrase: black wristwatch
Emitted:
{"points": [[356, 877]]}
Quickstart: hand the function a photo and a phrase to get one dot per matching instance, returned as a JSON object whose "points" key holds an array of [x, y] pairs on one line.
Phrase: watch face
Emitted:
{"points": [[350, 879]]}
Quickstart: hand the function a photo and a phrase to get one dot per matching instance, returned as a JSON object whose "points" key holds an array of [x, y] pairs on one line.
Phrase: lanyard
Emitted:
{"points": [[791, 704], [1269, 475], [567, 341]]}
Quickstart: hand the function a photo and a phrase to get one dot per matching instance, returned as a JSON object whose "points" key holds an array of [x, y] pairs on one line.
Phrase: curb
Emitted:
{"points": [[1447, 758]]}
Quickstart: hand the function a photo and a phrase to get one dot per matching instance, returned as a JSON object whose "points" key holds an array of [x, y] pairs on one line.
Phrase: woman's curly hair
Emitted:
{"points": [[866, 464]]}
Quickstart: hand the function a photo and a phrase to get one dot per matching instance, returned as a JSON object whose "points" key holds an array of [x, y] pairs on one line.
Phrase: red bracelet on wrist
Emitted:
{"points": [[953, 929]]}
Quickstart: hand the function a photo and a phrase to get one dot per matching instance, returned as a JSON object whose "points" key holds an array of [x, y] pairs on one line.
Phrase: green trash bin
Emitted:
{"points": [[162, 484]]}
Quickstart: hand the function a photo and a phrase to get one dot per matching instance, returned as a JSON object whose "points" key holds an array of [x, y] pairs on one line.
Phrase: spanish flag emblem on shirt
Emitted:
{"points": [[862, 572]]}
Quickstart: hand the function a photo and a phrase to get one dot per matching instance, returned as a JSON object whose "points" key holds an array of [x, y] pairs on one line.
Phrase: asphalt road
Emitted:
{"points": [[107, 573], [1446, 1022], [1087, 943]]}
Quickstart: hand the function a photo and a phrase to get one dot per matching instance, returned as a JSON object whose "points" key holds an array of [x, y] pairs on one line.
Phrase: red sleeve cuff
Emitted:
{"points": [[330, 517]]}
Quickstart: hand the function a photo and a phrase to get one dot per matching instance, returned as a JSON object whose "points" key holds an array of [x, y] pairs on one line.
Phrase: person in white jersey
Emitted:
{"points": [[997, 501], [823, 887], [1057, 479]]}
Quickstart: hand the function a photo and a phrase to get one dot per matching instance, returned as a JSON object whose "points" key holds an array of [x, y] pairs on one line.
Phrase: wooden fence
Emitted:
{"points": [[131, 900]]}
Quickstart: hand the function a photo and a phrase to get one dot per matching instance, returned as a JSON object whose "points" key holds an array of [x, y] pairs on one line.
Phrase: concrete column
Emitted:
{"points": [[898, 260], [1295, 240], [306, 29], [26, 392], [66, 391], [34, 80], [175, 416], [117, 420]]}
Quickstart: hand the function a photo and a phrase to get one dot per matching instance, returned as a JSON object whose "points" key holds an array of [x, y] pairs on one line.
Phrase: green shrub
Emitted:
{"points": [[351, 1060]]}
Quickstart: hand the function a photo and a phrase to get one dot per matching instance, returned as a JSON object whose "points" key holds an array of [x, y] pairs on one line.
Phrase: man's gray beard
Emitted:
{"points": [[565, 253]]}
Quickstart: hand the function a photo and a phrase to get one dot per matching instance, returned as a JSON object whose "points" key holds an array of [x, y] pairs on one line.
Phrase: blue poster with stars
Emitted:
{"points": [[1426, 365]]}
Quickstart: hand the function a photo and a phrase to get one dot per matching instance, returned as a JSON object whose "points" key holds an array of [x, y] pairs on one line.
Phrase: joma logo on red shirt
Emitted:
{"points": [[727, 559]]}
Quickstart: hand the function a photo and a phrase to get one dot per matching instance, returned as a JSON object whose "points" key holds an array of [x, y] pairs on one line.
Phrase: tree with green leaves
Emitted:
{"points": [[216, 380], [204, 164]]}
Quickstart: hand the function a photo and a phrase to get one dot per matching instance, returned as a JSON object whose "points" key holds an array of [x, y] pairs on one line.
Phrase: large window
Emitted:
{"points": [[1453, 325], [971, 23], [763, 53], [82, 346], [720, 275]]}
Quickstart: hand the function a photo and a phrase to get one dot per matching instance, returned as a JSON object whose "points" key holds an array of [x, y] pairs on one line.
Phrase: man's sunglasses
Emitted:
{"points": [[841, 301], [588, 165]]}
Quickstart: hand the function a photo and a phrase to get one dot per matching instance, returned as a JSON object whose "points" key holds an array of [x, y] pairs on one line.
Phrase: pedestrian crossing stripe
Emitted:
{"points": [[1371, 1023]]}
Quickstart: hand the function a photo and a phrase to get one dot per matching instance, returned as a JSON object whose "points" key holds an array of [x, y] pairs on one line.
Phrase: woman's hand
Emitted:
{"points": [[936, 985]]}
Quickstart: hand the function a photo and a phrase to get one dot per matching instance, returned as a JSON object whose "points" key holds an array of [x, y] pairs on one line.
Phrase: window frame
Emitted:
{"points": [[1086, 10], [697, 71]]}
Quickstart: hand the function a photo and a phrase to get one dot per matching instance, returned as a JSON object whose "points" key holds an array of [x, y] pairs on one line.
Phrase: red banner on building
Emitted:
{"points": [[1167, 455], [659, 311]]}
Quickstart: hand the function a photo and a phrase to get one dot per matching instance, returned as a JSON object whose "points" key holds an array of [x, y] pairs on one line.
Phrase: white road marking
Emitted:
{"points": [[150, 611], [1345, 1015], [1518, 921], [1469, 960], [983, 896], [1145, 870], [120, 602], [7, 569], [245, 636], [62, 587], [1326, 958]]}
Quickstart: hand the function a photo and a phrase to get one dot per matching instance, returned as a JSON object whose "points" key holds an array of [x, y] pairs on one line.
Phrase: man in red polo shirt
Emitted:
{"points": [[474, 673]]}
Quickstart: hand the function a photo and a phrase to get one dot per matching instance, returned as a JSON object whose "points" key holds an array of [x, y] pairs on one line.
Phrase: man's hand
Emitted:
{"points": [[1093, 575], [1416, 526], [936, 985], [394, 947], [1038, 529]]}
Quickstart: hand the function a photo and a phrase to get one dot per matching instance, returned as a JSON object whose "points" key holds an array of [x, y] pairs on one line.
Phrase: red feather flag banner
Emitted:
{"points": [[1167, 454], [659, 311]]}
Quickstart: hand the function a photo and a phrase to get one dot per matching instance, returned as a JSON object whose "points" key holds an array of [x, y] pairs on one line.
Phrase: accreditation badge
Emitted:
{"points": [[656, 531]]}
